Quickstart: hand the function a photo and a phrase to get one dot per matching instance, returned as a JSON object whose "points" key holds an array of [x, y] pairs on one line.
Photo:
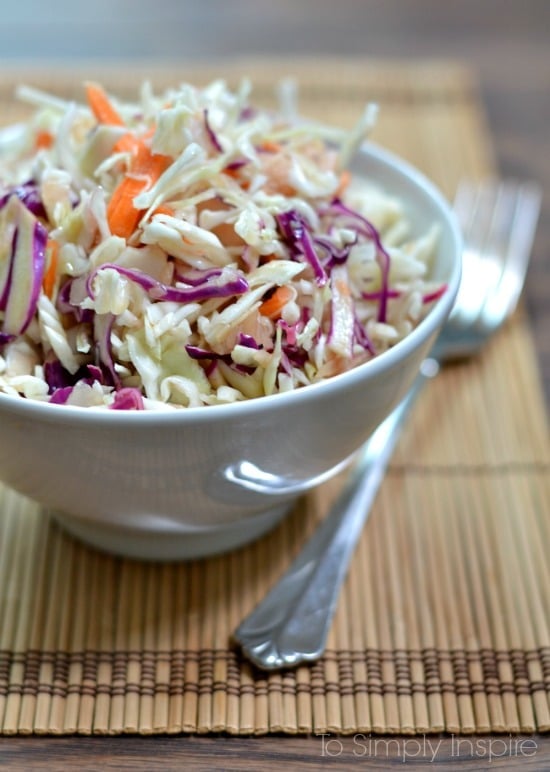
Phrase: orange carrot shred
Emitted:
{"points": [[106, 113], [50, 275], [163, 209], [101, 106], [43, 139], [345, 179], [145, 166], [273, 306], [270, 147], [145, 169]]}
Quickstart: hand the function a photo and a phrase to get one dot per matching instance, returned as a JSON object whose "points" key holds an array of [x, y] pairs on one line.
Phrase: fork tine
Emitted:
{"points": [[478, 208], [516, 245], [498, 221]]}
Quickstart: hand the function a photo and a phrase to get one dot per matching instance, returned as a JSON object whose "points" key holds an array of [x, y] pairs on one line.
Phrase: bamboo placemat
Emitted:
{"points": [[443, 623]]}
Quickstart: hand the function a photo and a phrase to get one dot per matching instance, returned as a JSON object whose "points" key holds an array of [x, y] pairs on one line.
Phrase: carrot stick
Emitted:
{"points": [[43, 139], [103, 109], [122, 215], [345, 179], [270, 147], [163, 209], [145, 169], [50, 275], [273, 306], [145, 166], [101, 106]]}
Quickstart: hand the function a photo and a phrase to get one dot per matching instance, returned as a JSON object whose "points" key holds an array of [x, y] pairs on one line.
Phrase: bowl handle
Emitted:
{"points": [[246, 475]]}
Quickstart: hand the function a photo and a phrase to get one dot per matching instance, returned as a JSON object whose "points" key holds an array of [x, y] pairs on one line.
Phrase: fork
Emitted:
{"points": [[498, 220]]}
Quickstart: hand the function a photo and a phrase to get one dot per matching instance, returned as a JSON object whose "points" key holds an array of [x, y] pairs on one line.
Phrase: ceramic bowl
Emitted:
{"points": [[189, 483]]}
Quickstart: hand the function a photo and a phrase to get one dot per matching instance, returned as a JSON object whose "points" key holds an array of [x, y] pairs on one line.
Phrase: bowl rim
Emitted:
{"points": [[100, 416]]}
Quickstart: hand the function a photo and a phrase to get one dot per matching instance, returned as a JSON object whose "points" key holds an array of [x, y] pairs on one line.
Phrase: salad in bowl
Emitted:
{"points": [[188, 249]]}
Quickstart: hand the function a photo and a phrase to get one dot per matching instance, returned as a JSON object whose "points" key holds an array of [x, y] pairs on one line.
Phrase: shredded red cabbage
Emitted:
{"points": [[65, 306], [196, 352], [248, 341], [29, 195], [295, 232], [159, 291], [103, 324], [361, 337], [361, 225], [429, 297], [211, 133], [196, 278], [127, 398], [61, 395], [333, 254], [23, 278]]}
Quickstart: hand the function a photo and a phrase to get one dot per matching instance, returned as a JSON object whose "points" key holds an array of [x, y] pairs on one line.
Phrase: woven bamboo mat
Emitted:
{"points": [[443, 624]]}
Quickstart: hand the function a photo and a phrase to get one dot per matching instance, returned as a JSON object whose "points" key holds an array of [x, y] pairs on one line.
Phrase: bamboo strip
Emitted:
{"points": [[357, 640], [342, 646], [437, 595], [42, 641], [399, 638], [179, 575], [167, 615], [518, 630], [76, 639], [29, 557], [101, 635], [52, 719], [422, 609], [147, 647], [386, 662], [409, 639], [12, 545], [220, 638], [254, 712], [192, 648], [466, 570], [132, 635], [367, 579], [485, 550], [233, 590], [87, 610]]}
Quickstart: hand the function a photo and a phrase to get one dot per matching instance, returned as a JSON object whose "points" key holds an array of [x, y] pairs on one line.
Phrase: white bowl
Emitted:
{"points": [[198, 481]]}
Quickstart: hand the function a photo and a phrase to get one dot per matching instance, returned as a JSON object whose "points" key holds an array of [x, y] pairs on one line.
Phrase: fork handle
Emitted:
{"points": [[290, 625]]}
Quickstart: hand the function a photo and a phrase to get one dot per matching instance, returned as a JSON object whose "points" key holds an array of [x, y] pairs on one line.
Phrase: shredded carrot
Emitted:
{"points": [[128, 143], [50, 275], [270, 147], [273, 306], [122, 215], [163, 209], [145, 169], [101, 106], [236, 175], [103, 109], [231, 172], [345, 179], [43, 139]]}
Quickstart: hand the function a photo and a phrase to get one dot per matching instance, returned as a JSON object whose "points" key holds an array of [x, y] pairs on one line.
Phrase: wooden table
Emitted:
{"points": [[507, 43]]}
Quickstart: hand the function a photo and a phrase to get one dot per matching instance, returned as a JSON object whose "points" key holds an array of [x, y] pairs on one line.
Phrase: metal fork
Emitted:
{"points": [[291, 624]]}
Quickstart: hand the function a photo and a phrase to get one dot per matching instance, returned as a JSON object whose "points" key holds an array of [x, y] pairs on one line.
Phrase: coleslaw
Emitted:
{"points": [[190, 249]]}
